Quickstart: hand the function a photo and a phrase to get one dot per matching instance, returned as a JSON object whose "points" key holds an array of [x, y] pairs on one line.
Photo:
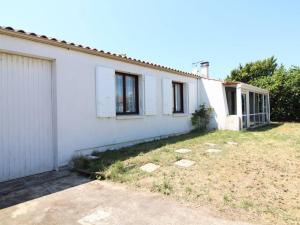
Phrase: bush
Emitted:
{"points": [[81, 162], [283, 85], [201, 117]]}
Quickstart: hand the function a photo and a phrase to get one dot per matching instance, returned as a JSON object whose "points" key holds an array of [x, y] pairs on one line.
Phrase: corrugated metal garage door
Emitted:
{"points": [[26, 144]]}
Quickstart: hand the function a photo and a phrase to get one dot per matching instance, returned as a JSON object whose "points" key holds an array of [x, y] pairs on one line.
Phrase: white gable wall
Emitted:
{"points": [[212, 93], [78, 126]]}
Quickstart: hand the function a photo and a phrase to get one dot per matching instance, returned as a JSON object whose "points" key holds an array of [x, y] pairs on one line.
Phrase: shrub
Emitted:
{"points": [[282, 83], [81, 162], [201, 117]]}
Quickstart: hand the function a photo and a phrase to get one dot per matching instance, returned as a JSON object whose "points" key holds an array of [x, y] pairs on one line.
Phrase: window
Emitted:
{"points": [[127, 94], [177, 97]]}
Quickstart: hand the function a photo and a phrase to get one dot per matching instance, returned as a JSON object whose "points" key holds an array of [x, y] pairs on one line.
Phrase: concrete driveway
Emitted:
{"points": [[72, 199]]}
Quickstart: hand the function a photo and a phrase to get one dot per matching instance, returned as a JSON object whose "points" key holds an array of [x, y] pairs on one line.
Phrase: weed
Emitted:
{"points": [[117, 172], [155, 158], [81, 162], [246, 204], [188, 190], [178, 157], [165, 187], [227, 199]]}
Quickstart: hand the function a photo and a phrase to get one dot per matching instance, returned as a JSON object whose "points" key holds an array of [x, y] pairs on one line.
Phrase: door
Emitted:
{"points": [[26, 138]]}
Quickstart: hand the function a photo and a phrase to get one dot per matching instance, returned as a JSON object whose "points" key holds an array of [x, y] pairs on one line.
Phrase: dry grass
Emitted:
{"points": [[257, 181]]}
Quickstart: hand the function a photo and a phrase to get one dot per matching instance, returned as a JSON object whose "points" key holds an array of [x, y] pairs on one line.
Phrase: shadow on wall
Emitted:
{"points": [[204, 99]]}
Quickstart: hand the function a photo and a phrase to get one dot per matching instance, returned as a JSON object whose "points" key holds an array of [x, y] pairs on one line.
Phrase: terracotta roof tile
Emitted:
{"points": [[115, 56]]}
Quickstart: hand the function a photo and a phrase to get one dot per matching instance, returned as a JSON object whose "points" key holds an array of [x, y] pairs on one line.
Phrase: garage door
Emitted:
{"points": [[26, 144]]}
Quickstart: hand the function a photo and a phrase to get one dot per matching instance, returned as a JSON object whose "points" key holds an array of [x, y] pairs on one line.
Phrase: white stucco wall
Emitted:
{"points": [[212, 93], [78, 128]]}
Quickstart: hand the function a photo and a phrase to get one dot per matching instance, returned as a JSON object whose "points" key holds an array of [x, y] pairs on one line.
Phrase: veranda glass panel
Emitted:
{"points": [[130, 94], [265, 109], [244, 110], [256, 108], [252, 110], [119, 94], [260, 105], [244, 102]]}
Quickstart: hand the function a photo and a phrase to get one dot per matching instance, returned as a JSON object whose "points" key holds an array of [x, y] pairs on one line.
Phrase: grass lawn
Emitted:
{"points": [[257, 180]]}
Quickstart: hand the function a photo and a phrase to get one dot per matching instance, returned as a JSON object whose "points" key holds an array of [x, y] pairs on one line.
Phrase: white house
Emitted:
{"points": [[58, 99]]}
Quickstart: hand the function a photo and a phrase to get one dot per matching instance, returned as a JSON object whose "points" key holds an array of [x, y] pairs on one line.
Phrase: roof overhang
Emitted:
{"points": [[245, 86], [93, 51]]}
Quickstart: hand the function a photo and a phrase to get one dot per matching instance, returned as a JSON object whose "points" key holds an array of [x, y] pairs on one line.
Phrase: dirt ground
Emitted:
{"points": [[253, 175], [72, 199]]}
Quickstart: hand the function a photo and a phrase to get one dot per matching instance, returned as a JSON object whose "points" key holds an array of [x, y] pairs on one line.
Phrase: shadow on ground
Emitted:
{"points": [[24, 189], [110, 157], [107, 158], [266, 127]]}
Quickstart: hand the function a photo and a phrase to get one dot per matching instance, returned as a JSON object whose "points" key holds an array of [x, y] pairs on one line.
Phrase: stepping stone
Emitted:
{"points": [[149, 167], [185, 163], [232, 143], [183, 150], [212, 150], [210, 144], [92, 157], [96, 217]]}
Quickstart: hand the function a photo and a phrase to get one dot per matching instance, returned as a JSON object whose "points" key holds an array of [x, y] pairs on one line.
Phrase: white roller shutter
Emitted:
{"points": [[150, 95], [167, 96], [192, 97], [105, 92]]}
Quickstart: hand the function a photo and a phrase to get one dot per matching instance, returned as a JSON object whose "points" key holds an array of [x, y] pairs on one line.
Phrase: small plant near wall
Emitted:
{"points": [[201, 117]]}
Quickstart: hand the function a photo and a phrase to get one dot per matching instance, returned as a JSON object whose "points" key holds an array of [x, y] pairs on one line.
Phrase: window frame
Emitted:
{"points": [[136, 77], [174, 97]]}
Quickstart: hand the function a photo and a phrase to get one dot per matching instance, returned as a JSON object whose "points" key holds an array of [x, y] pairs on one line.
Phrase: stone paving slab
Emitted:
{"points": [[149, 167], [96, 217], [210, 144], [213, 150], [232, 143], [185, 163], [183, 150]]}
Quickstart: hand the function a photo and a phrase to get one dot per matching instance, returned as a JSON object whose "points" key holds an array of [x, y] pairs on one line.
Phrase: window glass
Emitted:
{"points": [[260, 100], [119, 94], [178, 97], [244, 106], [126, 94], [256, 103], [251, 102], [130, 94], [265, 103]]}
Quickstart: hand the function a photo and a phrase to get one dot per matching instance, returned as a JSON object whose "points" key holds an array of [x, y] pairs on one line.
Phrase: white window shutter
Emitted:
{"points": [[167, 96], [192, 97], [105, 92], [150, 95]]}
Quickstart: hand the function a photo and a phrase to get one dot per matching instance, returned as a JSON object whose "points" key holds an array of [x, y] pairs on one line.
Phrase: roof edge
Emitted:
{"points": [[93, 51]]}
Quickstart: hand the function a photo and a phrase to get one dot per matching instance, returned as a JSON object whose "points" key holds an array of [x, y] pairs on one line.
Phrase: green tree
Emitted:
{"points": [[283, 85], [254, 70]]}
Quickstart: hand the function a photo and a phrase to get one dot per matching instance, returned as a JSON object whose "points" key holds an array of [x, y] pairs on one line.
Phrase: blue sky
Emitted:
{"points": [[169, 32]]}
